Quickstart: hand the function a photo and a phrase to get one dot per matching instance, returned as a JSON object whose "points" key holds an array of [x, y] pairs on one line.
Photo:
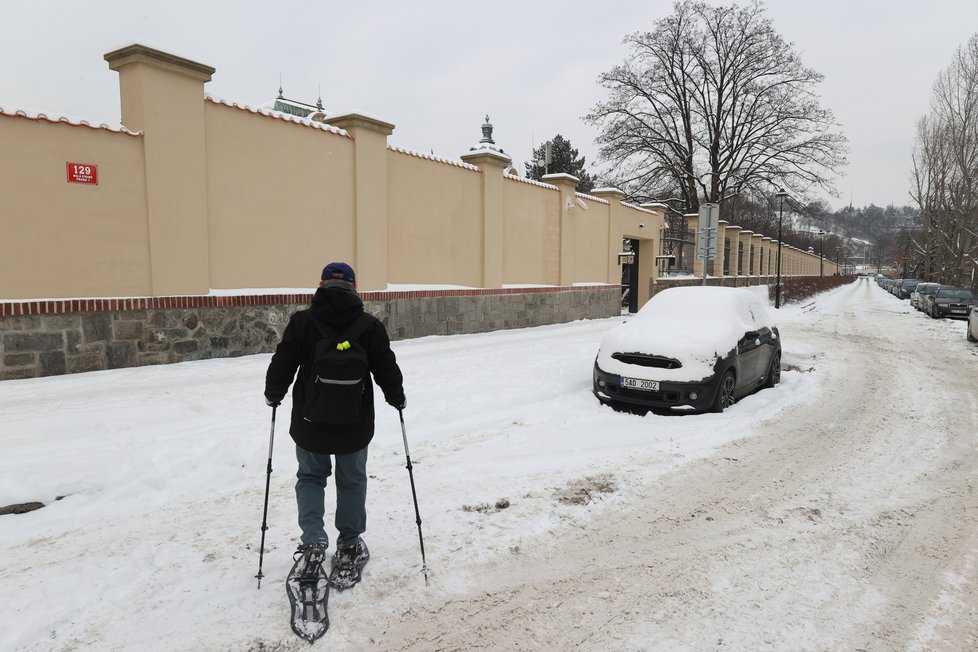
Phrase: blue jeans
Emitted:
{"points": [[351, 495]]}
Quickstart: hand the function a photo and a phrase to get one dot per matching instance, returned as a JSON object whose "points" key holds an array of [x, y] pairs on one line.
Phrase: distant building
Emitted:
{"points": [[296, 108]]}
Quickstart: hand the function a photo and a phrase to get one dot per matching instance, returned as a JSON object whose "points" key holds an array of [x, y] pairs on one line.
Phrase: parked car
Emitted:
{"points": [[905, 286], [951, 302], [689, 349], [917, 296], [972, 332]]}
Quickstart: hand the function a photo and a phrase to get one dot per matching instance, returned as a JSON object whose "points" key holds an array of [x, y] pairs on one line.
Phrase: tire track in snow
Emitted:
{"points": [[843, 524]]}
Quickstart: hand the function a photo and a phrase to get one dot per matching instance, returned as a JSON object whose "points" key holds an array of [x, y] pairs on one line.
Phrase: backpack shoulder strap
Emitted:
{"points": [[357, 328]]}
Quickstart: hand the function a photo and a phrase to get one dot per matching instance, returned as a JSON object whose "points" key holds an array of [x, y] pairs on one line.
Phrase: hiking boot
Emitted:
{"points": [[309, 558], [347, 557], [348, 563]]}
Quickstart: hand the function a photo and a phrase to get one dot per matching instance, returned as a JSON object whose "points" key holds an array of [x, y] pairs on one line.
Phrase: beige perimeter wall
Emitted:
{"points": [[435, 231], [196, 194], [278, 196], [63, 239]]}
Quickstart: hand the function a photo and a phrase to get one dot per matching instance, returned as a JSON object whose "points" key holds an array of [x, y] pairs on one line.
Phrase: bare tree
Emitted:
{"points": [[945, 175], [712, 103]]}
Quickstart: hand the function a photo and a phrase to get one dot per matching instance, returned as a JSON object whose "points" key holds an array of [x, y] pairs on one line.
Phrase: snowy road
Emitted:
{"points": [[838, 511], [850, 522]]}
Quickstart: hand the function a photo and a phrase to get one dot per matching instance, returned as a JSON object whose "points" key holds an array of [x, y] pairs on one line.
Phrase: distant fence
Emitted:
{"points": [[799, 288], [793, 288]]}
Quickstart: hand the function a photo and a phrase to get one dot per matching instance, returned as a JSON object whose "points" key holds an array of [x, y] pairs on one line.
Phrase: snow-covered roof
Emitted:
{"points": [[432, 157], [278, 115], [292, 107], [60, 119]]}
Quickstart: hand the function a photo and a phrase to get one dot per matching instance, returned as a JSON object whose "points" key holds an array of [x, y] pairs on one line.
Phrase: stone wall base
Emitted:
{"points": [[41, 339]]}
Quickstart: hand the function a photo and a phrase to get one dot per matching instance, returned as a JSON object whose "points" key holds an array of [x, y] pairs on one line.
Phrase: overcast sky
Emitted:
{"points": [[436, 69]]}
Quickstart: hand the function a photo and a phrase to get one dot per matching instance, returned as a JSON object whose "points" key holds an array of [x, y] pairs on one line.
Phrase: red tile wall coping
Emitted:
{"points": [[65, 306]]}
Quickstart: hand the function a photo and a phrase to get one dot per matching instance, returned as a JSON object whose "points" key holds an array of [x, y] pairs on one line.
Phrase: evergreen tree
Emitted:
{"points": [[563, 159]]}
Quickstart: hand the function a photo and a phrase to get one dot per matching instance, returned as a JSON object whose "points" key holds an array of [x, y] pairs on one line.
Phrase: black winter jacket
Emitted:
{"points": [[337, 307]]}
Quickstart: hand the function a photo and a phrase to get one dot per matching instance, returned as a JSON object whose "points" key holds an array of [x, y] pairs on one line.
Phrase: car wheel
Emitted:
{"points": [[725, 392], [774, 372], [971, 338]]}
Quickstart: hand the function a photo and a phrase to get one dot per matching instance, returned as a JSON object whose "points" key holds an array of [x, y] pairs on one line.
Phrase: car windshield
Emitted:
{"points": [[927, 288], [955, 293]]}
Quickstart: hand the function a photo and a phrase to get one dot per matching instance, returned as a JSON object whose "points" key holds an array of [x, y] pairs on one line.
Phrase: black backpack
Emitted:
{"points": [[338, 376]]}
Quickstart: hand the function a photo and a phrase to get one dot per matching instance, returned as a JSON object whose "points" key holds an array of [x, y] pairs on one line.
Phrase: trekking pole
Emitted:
{"points": [[264, 518], [414, 494]]}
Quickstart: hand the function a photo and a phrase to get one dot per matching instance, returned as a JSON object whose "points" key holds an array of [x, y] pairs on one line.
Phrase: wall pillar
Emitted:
{"points": [[747, 237], [369, 197], [757, 241], [718, 262], [733, 234], [567, 185], [162, 95], [765, 270], [645, 225], [615, 232], [493, 164]]}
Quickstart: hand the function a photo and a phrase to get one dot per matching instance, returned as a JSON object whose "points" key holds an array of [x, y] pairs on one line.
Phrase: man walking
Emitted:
{"points": [[333, 344]]}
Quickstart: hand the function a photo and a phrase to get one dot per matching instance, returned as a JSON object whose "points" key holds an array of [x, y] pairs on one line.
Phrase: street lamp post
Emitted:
{"points": [[781, 194], [821, 255]]}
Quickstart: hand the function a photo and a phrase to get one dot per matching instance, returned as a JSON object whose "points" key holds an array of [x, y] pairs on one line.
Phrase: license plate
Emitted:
{"points": [[958, 311], [639, 384]]}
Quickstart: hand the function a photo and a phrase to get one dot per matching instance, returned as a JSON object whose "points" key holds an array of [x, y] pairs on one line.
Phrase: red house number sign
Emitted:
{"points": [[82, 173]]}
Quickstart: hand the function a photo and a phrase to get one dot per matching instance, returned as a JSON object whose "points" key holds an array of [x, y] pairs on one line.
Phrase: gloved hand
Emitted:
{"points": [[269, 402], [400, 406]]}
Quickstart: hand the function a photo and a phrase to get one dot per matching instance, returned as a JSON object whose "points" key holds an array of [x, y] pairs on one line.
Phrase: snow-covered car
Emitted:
{"points": [[951, 302], [689, 349], [972, 332], [920, 293]]}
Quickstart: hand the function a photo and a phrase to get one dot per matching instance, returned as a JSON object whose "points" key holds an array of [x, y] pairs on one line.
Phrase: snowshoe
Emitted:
{"points": [[308, 588]]}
